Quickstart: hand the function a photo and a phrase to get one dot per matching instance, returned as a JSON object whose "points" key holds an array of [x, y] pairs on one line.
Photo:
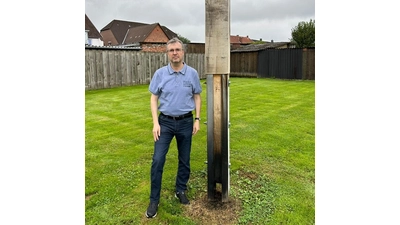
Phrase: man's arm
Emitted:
{"points": [[154, 115], [197, 101]]}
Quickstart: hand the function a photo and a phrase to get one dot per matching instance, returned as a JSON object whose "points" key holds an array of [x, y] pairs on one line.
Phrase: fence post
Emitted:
{"points": [[217, 64]]}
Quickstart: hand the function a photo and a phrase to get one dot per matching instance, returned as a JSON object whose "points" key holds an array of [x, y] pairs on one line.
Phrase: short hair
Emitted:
{"points": [[175, 40]]}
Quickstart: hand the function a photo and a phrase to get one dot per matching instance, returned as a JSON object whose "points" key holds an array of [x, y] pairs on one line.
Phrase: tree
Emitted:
{"points": [[303, 35], [183, 39]]}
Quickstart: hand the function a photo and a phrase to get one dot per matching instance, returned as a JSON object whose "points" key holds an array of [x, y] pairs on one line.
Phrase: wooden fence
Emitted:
{"points": [[108, 68], [244, 64], [288, 63], [308, 64], [123, 67]]}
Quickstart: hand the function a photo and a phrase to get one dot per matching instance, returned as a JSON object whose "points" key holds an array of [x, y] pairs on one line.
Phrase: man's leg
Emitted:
{"points": [[160, 151], [184, 142], [161, 148]]}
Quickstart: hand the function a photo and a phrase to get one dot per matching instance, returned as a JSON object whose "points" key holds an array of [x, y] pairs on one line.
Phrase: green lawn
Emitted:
{"points": [[272, 154]]}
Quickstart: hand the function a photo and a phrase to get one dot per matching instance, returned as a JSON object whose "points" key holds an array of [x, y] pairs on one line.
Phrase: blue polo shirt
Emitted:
{"points": [[175, 90]]}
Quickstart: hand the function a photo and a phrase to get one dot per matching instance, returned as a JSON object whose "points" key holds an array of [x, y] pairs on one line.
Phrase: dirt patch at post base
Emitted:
{"points": [[214, 212]]}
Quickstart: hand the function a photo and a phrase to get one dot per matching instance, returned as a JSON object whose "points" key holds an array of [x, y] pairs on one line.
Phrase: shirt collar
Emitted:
{"points": [[182, 71]]}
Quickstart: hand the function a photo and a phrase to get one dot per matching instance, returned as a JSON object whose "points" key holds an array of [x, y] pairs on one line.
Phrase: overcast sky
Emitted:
{"points": [[266, 19]]}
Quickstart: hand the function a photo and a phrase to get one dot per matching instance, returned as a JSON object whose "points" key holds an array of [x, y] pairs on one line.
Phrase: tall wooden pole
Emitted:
{"points": [[217, 63]]}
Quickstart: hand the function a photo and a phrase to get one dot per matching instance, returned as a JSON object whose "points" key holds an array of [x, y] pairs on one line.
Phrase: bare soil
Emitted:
{"points": [[215, 211]]}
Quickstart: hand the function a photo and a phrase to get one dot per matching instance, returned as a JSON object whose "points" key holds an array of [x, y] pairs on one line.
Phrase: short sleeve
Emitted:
{"points": [[154, 84], [196, 84]]}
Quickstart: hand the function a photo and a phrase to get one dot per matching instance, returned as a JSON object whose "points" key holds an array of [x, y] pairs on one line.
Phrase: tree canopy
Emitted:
{"points": [[183, 39], [303, 35]]}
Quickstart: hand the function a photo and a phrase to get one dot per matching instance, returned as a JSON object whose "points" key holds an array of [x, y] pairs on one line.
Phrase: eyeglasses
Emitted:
{"points": [[175, 50]]}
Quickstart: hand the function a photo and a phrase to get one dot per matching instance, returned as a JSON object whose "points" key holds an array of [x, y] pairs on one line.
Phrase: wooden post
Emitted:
{"points": [[217, 63]]}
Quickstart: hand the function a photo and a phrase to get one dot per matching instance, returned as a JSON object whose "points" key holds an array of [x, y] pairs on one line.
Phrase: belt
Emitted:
{"points": [[189, 114]]}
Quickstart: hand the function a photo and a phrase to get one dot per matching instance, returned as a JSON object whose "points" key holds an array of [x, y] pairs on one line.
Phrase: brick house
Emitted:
{"points": [[150, 37], [238, 41]]}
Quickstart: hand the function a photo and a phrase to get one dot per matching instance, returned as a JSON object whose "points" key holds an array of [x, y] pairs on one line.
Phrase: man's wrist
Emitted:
{"points": [[197, 118]]}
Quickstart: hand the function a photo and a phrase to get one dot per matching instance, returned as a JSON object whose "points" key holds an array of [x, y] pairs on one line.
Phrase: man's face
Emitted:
{"points": [[175, 52]]}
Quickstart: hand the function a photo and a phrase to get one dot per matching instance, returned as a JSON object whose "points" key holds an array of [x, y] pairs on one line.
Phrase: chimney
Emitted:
{"points": [[272, 41]]}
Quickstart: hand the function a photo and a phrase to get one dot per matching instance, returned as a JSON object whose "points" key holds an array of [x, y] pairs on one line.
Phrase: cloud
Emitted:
{"points": [[266, 19]]}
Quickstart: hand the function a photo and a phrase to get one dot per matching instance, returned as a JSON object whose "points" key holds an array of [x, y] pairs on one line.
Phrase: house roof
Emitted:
{"points": [[119, 28], [240, 40], [169, 32], [136, 48], [93, 32], [139, 34], [259, 47], [131, 32]]}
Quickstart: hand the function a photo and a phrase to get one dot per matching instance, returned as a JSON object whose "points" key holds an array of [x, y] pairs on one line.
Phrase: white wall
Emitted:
{"points": [[95, 42]]}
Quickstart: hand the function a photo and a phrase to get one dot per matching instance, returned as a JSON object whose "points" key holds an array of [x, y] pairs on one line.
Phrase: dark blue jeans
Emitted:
{"points": [[182, 130]]}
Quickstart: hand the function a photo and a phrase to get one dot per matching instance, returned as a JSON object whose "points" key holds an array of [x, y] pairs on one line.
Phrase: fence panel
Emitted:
{"points": [[309, 64], [106, 71], [108, 68], [244, 64], [87, 70], [111, 62], [280, 63], [196, 61]]}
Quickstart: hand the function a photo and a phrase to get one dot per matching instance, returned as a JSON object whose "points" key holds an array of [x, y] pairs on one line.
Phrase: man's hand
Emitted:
{"points": [[196, 127], [156, 131]]}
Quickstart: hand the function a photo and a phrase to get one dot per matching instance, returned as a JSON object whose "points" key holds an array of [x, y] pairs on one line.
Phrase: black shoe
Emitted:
{"points": [[182, 198], [152, 210]]}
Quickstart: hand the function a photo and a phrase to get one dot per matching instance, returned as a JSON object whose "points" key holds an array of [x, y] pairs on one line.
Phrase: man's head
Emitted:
{"points": [[175, 50]]}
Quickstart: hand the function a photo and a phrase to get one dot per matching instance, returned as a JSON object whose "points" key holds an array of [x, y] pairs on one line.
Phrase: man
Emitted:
{"points": [[177, 88]]}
